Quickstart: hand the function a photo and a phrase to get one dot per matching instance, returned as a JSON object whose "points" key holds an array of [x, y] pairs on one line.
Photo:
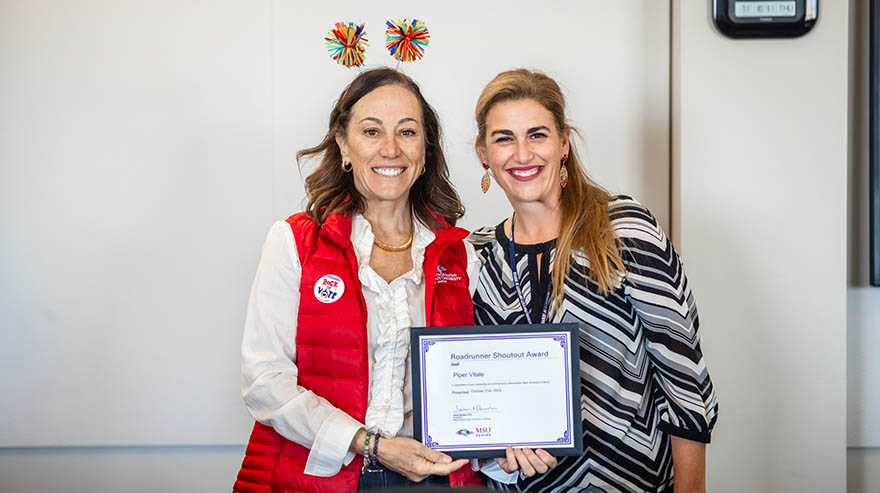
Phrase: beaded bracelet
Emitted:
{"points": [[366, 451], [373, 463], [374, 459]]}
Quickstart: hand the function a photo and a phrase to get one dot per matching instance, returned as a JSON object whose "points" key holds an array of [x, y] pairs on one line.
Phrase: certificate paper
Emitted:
{"points": [[477, 390]]}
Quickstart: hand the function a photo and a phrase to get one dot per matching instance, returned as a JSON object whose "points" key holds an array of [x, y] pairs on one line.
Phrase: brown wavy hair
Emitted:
{"points": [[331, 190], [585, 225]]}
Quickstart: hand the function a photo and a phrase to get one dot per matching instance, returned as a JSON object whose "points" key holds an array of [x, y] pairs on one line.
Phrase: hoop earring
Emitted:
{"points": [[486, 180], [563, 172], [346, 167]]}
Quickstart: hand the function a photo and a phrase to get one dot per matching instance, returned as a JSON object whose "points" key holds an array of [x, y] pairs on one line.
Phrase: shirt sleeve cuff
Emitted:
{"points": [[491, 469], [694, 435], [330, 449]]}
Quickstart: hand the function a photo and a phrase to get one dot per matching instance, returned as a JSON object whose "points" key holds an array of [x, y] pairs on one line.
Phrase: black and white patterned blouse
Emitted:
{"points": [[642, 371]]}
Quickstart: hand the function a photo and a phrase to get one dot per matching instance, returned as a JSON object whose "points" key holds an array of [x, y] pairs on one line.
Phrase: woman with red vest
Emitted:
{"points": [[325, 350]]}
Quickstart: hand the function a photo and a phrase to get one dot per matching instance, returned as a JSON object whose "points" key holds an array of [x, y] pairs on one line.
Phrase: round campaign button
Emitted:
{"points": [[329, 288]]}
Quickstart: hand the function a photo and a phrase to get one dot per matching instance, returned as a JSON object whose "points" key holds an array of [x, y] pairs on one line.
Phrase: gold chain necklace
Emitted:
{"points": [[394, 249]]}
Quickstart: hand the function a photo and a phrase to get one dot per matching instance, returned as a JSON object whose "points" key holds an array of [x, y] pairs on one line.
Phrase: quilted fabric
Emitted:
{"points": [[331, 346]]}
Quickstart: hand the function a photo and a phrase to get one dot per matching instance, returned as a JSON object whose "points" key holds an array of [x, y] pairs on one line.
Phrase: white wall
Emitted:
{"points": [[761, 178], [863, 301], [146, 147], [136, 149], [149, 146], [108, 92]]}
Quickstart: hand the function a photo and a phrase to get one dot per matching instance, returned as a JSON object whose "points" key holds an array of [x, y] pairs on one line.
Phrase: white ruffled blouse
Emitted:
{"points": [[269, 372]]}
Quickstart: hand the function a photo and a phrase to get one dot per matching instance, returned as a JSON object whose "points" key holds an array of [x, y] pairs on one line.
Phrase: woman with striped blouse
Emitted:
{"points": [[580, 255]]}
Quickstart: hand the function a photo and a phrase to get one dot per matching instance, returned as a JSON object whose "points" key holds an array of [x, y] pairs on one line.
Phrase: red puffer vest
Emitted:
{"points": [[331, 346]]}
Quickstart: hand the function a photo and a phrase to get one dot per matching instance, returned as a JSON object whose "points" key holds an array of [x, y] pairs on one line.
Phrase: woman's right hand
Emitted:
{"points": [[525, 460]]}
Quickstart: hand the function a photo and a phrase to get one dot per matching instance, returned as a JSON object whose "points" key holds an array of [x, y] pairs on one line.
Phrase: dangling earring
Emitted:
{"points": [[486, 181], [346, 167], [563, 172]]}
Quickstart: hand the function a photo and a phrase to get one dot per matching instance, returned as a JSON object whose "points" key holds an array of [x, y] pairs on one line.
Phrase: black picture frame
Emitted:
{"points": [[574, 370], [874, 141]]}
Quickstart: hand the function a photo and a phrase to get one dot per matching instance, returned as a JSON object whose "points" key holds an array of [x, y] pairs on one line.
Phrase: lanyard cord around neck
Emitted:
{"points": [[518, 286]]}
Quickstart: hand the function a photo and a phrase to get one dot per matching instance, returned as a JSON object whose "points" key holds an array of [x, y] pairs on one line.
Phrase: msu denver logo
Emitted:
{"points": [[484, 431]]}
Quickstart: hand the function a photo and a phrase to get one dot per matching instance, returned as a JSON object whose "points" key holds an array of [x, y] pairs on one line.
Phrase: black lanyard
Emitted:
{"points": [[516, 283]]}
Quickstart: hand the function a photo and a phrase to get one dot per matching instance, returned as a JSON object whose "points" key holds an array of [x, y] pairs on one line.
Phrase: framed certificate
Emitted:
{"points": [[477, 390]]}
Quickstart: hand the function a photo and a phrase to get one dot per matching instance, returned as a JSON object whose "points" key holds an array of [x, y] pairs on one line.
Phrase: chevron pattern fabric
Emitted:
{"points": [[642, 373]]}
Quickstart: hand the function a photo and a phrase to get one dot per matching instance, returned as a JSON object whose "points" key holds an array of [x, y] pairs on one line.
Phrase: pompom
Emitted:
{"points": [[406, 40], [346, 43]]}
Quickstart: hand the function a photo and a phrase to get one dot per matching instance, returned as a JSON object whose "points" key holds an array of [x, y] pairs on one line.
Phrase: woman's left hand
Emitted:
{"points": [[414, 460], [524, 459]]}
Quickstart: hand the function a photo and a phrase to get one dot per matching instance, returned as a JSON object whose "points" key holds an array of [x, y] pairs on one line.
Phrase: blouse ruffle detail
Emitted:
{"points": [[388, 366]]}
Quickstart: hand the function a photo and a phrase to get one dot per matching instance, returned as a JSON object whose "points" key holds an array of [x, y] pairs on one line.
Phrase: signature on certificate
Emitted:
{"points": [[477, 408]]}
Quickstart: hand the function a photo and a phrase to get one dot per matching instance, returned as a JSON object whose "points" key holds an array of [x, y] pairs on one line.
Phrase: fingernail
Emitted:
{"points": [[447, 459]]}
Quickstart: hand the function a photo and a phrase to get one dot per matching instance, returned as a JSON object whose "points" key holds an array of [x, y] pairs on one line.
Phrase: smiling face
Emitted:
{"points": [[524, 150], [385, 144]]}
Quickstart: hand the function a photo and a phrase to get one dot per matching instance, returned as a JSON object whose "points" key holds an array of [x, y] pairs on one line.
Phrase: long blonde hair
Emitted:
{"points": [[585, 225]]}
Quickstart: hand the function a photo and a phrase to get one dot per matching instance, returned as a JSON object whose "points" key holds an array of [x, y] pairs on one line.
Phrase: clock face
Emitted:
{"points": [[763, 9], [765, 18]]}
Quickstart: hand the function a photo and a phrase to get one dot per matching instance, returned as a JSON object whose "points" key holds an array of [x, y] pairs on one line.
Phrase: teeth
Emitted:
{"points": [[388, 171], [525, 172]]}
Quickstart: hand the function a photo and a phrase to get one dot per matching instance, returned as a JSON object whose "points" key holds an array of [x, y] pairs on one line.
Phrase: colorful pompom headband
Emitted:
{"points": [[405, 40], [346, 44]]}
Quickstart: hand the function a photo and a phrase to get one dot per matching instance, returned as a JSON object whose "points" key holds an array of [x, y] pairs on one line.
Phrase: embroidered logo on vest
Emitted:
{"points": [[442, 277], [329, 288]]}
